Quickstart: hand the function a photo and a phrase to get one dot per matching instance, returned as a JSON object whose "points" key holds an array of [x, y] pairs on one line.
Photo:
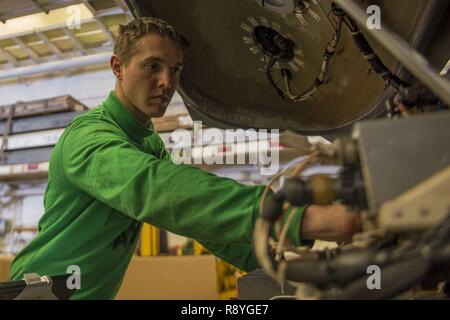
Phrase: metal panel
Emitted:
{"points": [[43, 106], [27, 156], [390, 165], [34, 139], [52, 121]]}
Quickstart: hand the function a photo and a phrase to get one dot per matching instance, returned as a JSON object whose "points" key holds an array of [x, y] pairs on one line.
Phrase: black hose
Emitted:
{"points": [[395, 279], [341, 270], [372, 58]]}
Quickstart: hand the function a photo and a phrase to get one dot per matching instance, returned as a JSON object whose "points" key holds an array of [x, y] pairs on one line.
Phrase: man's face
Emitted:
{"points": [[149, 80]]}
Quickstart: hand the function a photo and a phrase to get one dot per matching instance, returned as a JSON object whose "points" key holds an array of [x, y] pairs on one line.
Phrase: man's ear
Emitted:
{"points": [[116, 66]]}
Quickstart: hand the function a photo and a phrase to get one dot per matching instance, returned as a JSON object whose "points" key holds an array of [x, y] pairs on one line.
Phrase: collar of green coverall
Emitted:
{"points": [[126, 120]]}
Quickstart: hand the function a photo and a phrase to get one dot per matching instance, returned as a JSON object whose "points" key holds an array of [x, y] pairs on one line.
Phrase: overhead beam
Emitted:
{"points": [[105, 29], [37, 5], [49, 44], [78, 44], [99, 22], [54, 66], [89, 6], [9, 57], [121, 4], [53, 48], [33, 55]]}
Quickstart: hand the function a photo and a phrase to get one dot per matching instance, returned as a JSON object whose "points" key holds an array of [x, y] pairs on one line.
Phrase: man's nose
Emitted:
{"points": [[166, 80]]}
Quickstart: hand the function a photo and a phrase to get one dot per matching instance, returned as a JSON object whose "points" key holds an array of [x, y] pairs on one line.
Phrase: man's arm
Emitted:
{"points": [[178, 198], [185, 200]]}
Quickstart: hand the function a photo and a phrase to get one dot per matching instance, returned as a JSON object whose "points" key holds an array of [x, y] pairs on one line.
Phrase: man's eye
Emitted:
{"points": [[176, 70], [153, 66]]}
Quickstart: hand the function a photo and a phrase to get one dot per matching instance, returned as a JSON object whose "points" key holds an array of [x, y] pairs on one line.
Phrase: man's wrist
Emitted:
{"points": [[304, 241], [329, 223], [313, 223]]}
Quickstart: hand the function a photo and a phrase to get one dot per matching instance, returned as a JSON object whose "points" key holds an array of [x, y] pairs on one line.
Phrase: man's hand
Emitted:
{"points": [[330, 223]]}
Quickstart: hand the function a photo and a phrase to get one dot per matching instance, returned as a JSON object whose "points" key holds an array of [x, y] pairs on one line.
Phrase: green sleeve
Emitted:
{"points": [[240, 256], [182, 199], [243, 256]]}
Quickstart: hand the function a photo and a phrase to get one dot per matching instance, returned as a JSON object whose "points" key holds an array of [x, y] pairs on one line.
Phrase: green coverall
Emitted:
{"points": [[108, 174]]}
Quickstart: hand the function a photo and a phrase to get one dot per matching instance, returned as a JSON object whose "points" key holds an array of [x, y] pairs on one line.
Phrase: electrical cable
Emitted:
{"points": [[362, 44], [372, 58], [327, 55], [263, 226]]}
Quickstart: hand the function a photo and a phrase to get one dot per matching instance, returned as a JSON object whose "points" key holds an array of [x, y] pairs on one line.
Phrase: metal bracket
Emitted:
{"points": [[419, 208], [38, 288]]}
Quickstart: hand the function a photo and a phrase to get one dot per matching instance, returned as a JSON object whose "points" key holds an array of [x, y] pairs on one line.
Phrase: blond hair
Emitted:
{"points": [[127, 42]]}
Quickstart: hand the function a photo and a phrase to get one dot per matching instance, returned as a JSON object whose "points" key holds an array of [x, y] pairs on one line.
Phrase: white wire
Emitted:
{"points": [[289, 165]]}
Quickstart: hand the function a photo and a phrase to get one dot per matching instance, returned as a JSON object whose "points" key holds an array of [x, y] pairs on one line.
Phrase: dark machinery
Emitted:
{"points": [[398, 171], [315, 67], [235, 45]]}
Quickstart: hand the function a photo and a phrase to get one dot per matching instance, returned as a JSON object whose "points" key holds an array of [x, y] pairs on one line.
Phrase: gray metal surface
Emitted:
{"points": [[27, 156], [398, 154], [51, 121], [256, 285]]}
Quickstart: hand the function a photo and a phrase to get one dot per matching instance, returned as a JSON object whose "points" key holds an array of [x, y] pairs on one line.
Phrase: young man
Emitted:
{"points": [[109, 173]]}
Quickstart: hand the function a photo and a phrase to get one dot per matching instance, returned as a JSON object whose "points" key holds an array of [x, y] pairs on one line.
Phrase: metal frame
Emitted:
{"points": [[55, 52], [398, 48], [36, 7]]}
